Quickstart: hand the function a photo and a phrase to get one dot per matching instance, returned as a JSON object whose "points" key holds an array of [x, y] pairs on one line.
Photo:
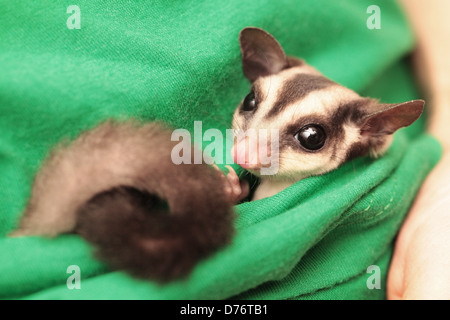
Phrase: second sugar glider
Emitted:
{"points": [[320, 123]]}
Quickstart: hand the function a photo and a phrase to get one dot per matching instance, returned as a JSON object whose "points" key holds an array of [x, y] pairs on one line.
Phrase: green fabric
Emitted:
{"points": [[179, 61]]}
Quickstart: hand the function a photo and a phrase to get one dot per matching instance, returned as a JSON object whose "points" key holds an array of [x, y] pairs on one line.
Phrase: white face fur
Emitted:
{"points": [[294, 161], [321, 124]]}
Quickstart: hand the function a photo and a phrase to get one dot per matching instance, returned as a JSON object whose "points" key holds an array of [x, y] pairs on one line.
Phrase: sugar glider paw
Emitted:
{"points": [[235, 189]]}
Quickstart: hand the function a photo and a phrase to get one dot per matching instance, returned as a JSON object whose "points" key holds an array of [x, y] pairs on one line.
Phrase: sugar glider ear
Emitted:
{"points": [[391, 117], [261, 53]]}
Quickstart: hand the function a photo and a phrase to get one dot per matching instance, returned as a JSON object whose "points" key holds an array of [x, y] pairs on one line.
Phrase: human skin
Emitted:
{"points": [[420, 267]]}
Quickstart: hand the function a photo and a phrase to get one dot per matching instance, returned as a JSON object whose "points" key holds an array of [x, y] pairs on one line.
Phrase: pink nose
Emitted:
{"points": [[245, 155]]}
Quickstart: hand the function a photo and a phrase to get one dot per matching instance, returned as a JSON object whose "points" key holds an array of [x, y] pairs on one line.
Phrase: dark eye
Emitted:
{"points": [[311, 137], [249, 102]]}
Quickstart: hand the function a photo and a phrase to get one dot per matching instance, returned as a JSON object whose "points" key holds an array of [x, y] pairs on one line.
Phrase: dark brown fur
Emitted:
{"points": [[117, 186], [297, 88], [135, 230]]}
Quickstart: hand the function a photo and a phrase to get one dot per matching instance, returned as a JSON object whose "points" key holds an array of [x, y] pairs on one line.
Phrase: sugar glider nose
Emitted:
{"points": [[246, 154]]}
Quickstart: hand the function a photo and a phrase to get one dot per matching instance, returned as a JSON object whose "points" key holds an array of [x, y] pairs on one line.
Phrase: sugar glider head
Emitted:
{"points": [[312, 123]]}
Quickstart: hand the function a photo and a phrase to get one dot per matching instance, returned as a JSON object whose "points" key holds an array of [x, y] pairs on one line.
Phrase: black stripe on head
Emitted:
{"points": [[297, 88], [348, 112], [351, 111]]}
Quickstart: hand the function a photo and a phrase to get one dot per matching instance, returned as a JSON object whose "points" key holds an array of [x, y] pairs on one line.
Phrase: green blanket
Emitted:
{"points": [[179, 61]]}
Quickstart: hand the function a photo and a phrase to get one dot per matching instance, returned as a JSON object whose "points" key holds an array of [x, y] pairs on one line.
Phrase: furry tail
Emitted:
{"points": [[134, 231], [118, 187]]}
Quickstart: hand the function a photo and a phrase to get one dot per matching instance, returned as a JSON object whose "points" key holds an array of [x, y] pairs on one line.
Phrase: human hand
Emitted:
{"points": [[420, 267]]}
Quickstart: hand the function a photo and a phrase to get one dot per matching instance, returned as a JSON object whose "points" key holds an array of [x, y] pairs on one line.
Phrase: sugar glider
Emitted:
{"points": [[320, 123], [117, 186]]}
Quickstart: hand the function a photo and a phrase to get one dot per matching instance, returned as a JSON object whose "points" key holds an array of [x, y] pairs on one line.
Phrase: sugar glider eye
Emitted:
{"points": [[249, 102], [311, 137]]}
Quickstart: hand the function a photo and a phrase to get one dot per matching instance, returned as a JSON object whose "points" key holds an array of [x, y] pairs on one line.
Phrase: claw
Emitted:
{"points": [[235, 189], [234, 180], [240, 189], [228, 187]]}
